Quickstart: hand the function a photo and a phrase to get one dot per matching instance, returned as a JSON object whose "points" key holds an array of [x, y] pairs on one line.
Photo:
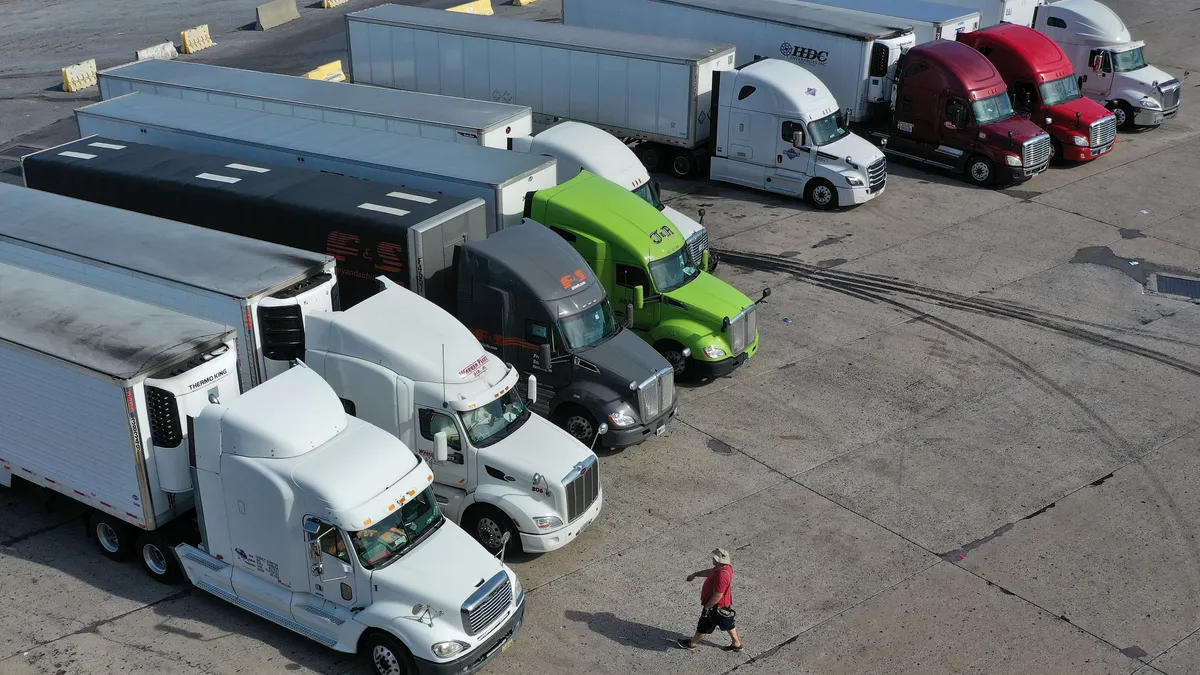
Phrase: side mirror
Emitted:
{"points": [[441, 451], [317, 570], [532, 393], [766, 294], [950, 125], [797, 139], [544, 355], [602, 429], [701, 217], [1097, 62], [628, 314], [704, 260], [639, 297]]}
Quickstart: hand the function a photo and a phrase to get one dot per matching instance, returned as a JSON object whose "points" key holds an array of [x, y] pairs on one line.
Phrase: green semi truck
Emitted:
{"points": [[702, 325]]}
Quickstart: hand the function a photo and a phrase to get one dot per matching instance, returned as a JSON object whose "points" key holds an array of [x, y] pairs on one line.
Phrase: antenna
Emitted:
{"points": [[445, 403]]}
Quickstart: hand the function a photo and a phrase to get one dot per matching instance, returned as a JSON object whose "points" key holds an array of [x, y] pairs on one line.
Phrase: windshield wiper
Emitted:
{"points": [[412, 544]]}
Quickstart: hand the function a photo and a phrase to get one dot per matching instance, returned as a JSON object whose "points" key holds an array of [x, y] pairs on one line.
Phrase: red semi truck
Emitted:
{"points": [[951, 110], [1044, 88]]}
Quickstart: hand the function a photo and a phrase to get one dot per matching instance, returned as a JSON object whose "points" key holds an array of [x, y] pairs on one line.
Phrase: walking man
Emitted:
{"points": [[717, 598]]}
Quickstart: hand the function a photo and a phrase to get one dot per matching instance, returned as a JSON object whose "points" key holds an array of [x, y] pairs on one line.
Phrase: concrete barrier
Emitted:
{"points": [[522, 3], [483, 7], [276, 13], [193, 40], [79, 76], [330, 72], [330, 4], [165, 50]]}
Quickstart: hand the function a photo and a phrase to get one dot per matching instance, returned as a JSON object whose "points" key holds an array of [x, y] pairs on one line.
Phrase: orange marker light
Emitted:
{"points": [[391, 507], [367, 521], [412, 492]]}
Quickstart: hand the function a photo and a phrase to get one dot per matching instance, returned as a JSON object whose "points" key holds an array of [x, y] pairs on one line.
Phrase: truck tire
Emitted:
{"points": [[684, 164], [1123, 113], [981, 171], [821, 194], [577, 421], [487, 524], [673, 353], [650, 156], [159, 561], [114, 537], [1056, 152], [387, 655]]}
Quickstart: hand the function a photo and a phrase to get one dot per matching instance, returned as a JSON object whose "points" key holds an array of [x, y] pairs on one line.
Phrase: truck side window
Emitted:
{"points": [[745, 92], [789, 129], [433, 422], [956, 113], [1023, 95], [537, 332], [1055, 22], [563, 233], [349, 407], [1105, 64], [630, 276], [331, 542]]}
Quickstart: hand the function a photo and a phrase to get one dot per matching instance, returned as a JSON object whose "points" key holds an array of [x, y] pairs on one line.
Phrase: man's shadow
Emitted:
{"points": [[627, 633]]}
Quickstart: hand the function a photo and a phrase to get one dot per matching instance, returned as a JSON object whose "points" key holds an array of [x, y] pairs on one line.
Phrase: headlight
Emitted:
{"points": [[621, 418], [1151, 104], [1012, 160], [517, 588], [854, 182], [1080, 140], [547, 522], [714, 352], [444, 650]]}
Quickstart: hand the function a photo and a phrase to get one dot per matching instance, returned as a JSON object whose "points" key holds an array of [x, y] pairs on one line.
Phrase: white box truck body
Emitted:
{"points": [[852, 54], [500, 178], [261, 289], [442, 118], [992, 12], [930, 20]]}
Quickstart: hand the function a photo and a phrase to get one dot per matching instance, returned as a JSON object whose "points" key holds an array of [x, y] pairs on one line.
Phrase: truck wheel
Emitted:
{"points": [[158, 559], [577, 421], [1123, 113], [114, 537], [388, 655], [487, 524], [650, 157], [981, 171], [1056, 152], [673, 353], [684, 165], [821, 194]]}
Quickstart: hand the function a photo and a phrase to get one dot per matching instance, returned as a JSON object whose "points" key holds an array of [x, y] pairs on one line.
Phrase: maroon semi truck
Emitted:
{"points": [[1045, 89], [951, 110]]}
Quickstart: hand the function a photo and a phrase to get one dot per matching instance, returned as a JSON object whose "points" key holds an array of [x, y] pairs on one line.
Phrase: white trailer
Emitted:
{"points": [[261, 289], [854, 55], [442, 118], [930, 20], [992, 12], [500, 178]]}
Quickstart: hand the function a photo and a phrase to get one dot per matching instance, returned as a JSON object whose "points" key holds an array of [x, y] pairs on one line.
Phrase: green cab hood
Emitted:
{"points": [[710, 300]]}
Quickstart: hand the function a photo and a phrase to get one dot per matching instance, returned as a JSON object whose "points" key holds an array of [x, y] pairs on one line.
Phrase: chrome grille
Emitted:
{"points": [[667, 391], [696, 246], [737, 334], [582, 486], [656, 394], [1170, 95], [1036, 151], [877, 175], [751, 325], [1103, 132], [487, 603], [649, 397]]}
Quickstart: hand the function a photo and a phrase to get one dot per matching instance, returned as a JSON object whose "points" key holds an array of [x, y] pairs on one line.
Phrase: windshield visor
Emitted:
{"points": [[1128, 60], [672, 272], [650, 193], [389, 539], [992, 109], [589, 327], [827, 129], [488, 424], [1057, 92]]}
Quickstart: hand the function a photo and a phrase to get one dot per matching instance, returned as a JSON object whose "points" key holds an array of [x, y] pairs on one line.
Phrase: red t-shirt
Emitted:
{"points": [[719, 580]]}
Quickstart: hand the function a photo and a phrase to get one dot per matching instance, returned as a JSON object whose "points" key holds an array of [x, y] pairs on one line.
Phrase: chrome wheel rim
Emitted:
{"points": [[682, 166], [980, 171], [108, 537], [822, 195], [155, 559], [489, 532], [676, 360], [580, 427], [386, 662], [1119, 113]]}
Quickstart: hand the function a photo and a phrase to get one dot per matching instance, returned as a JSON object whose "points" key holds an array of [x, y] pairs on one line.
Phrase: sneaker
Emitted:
{"points": [[732, 648], [684, 643]]}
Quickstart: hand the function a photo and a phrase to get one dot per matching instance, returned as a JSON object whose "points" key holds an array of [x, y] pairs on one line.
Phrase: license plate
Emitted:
{"points": [[661, 430], [1103, 150]]}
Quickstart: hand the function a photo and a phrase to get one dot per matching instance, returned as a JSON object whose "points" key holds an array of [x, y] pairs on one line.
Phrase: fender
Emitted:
{"points": [[690, 333], [597, 398], [517, 501], [395, 618]]}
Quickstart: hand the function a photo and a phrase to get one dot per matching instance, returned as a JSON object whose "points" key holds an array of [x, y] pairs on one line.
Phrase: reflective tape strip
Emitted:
{"points": [[219, 178], [383, 209], [107, 146], [76, 155], [412, 198], [247, 167]]}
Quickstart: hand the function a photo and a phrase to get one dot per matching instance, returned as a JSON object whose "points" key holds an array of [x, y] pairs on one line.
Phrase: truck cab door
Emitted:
{"points": [[553, 377], [955, 133], [451, 478], [334, 589], [627, 277], [1098, 74], [795, 158]]}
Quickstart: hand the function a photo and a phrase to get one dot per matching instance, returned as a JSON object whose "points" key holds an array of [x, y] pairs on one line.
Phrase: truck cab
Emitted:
{"points": [[579, 147], [407, 366], [329, 526], [952, 110], [702, 325], [778, 128], [1042, 85], [553, 319], [1112, 68]]}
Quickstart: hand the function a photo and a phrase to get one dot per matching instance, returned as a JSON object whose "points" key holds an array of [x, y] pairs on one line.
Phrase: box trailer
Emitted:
{"points": [[853, 54], [96, 390], [930, 20], [443, 118], [261, 289], [499, 177], [992, 12]]}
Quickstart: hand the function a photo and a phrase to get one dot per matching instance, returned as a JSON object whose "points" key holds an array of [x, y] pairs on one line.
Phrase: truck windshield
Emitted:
{"points": [[672, 272], [490, 423], [827, 129], [589, 327], [649, 192], [1056, 92], [992, 109], [389, 539], [1128, 60]]}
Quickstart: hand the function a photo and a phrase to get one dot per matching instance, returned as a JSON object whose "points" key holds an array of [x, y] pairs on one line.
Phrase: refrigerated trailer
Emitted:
{"points": [[443, 118], [930, 20], [499, 177], [992, 12], [261, 289]]}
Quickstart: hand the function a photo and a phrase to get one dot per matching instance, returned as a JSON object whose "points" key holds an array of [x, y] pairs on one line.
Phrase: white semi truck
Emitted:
{"points": [[930, 20], [655, 93], [500, 178], [1111, 67], [369, 354], [488, 123]]}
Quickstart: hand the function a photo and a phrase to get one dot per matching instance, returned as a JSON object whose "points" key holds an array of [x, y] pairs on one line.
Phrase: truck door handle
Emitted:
{"points": [[779, 159]]}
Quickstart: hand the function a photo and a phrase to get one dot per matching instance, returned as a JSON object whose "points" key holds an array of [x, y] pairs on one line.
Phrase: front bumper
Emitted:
{"points": [[483, 654], [714, 369], [848, 196], [1020, 174], [1144, 117], [1074, 153], [552, 541], [616, 439]]}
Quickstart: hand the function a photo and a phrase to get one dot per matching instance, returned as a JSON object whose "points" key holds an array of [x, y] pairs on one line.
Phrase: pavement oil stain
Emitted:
{"points": [[832, 262], [1135, 268], [719, 447], [1130, 233], [829, 241], [1134, 652]]}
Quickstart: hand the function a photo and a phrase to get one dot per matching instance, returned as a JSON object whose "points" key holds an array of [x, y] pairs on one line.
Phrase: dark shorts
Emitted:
{"points": [[711, 620]]}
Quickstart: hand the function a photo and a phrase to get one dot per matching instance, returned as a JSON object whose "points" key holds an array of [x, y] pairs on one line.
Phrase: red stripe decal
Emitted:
{"points": [[50, 480], [106, 504], [80, 493]]}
